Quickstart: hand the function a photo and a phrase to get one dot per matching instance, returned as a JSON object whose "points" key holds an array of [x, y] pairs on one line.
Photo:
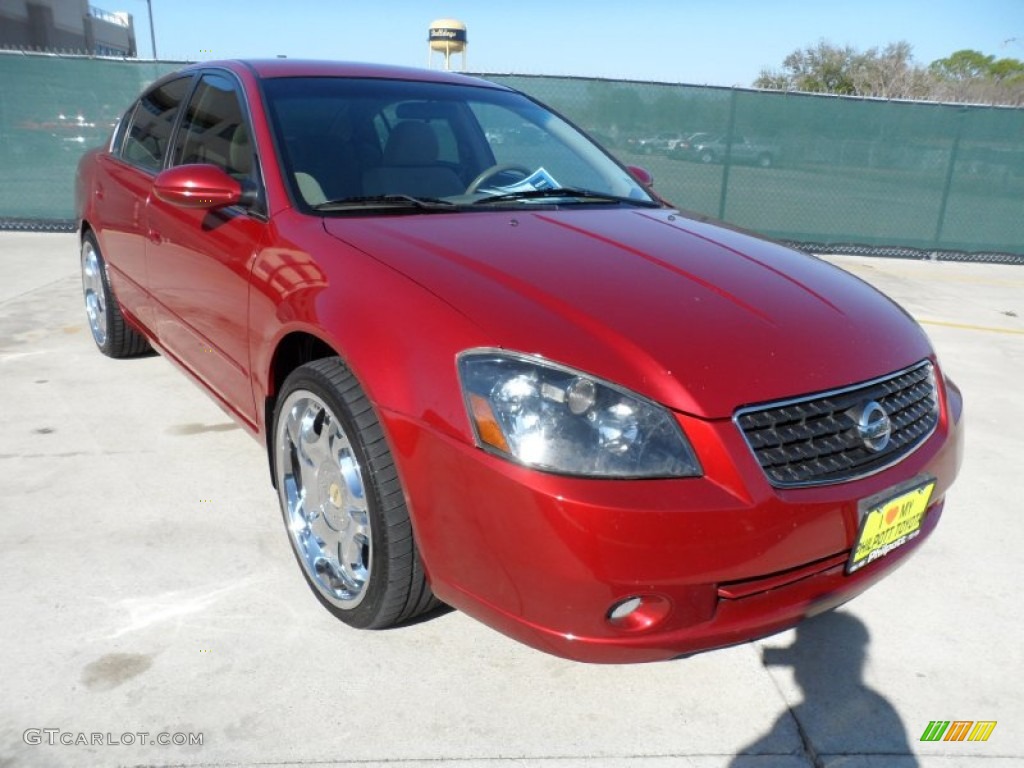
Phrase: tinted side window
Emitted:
{"points": [[214, 129], [150, 131]]}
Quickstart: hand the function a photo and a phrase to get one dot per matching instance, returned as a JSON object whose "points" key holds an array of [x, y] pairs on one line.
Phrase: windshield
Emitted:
{"points": [[368, 144]]}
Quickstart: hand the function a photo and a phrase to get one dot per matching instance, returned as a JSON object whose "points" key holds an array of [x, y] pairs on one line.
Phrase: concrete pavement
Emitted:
{"points": [[146, 585]]}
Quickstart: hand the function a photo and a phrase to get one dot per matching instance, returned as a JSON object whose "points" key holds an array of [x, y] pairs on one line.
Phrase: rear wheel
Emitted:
{"points": [[707, 156], [110, 331], [342, 501], [765, 160]]}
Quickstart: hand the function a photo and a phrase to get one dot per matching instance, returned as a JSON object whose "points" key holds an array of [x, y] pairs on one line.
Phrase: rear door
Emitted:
{"points": [[198, 261]]}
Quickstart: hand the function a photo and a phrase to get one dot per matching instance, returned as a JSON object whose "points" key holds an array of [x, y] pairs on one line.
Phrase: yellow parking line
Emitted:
{"points": [[967, 327]]}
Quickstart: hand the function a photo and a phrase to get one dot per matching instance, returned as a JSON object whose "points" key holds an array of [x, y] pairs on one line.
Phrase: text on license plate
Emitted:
{"points": [[890, 524]]}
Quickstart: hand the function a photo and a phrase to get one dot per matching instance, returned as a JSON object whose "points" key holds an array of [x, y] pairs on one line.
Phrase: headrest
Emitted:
{"points": [[411, 143]]}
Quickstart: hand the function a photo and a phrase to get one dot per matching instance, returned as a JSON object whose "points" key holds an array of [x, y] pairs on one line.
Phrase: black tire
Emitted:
{"points": [[765, 160], [707, 156], [334, 409], [111, 332]]}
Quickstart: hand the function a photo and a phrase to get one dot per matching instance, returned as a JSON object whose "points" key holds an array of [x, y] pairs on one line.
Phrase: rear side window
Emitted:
{"points": [[152, 121], [214, 129]]}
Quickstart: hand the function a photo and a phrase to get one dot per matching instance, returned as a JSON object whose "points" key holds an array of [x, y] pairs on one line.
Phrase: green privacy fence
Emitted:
{"points": [[815, 169], [53, 108], [805, 168]]}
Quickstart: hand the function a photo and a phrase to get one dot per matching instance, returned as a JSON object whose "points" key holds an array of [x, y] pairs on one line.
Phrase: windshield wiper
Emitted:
{"points": [[582, 195], [384, 202]]}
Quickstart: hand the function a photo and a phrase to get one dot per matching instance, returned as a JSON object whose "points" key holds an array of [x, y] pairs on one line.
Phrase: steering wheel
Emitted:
{"points": [[494, 170]]}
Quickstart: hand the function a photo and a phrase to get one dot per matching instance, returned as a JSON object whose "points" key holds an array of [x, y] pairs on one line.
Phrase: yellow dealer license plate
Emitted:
{"points": [[889, 523]]}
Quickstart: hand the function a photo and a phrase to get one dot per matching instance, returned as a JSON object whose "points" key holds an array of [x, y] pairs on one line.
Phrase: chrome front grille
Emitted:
{"points": [[816, 440]]}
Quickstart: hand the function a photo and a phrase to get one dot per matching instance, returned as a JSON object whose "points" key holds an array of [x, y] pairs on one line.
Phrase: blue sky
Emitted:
{"points": [[718, 42]]}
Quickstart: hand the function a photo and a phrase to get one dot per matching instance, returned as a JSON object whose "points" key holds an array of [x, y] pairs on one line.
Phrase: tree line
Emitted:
{"points": [[966, 76]]}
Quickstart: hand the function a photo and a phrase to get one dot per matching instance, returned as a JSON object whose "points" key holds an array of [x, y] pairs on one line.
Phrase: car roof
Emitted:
{"points": [[275, 68]]}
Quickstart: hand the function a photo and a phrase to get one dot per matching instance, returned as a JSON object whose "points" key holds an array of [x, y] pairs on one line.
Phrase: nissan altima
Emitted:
{"points": [[507, 375]]}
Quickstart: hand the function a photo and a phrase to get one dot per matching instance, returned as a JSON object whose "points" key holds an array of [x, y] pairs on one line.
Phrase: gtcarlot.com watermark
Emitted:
{"points": [[54, 736]]}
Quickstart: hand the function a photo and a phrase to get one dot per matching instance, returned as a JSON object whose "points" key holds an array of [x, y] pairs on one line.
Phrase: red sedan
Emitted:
{"points": [[506, 375]]}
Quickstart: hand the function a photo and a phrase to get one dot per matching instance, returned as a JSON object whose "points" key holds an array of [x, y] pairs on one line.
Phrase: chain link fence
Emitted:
{"points": [[908, 179], [831, 174]]}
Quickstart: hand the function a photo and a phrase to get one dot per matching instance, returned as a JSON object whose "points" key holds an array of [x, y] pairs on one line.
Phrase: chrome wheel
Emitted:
{"points": [[95, 294], [323, 498]]}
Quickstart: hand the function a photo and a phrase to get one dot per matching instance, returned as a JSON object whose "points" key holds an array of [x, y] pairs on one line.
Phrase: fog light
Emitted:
{"points": [[621, 610], [638, 612]]}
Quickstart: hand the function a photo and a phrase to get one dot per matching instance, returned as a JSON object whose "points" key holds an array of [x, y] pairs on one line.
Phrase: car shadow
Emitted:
{"points": [[839, 713]]}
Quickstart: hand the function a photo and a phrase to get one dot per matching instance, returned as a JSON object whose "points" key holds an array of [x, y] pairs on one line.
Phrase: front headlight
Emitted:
{"points": [[556, 419]]}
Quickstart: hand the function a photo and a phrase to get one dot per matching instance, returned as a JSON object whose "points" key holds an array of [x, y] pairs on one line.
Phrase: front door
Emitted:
{"points": [[198, 261]]}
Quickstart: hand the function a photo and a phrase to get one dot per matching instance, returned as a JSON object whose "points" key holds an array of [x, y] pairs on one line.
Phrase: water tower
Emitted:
{"points": [[447, 36]]}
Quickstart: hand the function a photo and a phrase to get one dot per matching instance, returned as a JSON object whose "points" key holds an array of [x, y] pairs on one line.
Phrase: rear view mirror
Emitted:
{"points": [[199, 186], [424, 110]]}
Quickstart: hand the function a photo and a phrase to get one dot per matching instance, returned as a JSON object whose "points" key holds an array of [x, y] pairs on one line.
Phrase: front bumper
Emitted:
{"points": [[725, 557]]}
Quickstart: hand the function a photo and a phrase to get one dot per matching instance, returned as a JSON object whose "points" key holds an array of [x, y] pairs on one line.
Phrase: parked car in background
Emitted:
{"points": [[707, 148], [685, 145], [507, 375], [522, 134], [660, 143], [69, 131]]}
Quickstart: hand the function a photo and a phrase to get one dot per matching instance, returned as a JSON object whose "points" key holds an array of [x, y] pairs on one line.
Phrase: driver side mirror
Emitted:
{"points": [[641, 174], [201, 186]]}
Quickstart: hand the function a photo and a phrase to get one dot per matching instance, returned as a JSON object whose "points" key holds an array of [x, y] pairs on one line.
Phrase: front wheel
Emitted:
{"points": [[342, 501]]}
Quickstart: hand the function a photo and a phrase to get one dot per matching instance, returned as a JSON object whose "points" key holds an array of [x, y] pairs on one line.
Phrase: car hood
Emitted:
{"points": [[697, 316]]}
